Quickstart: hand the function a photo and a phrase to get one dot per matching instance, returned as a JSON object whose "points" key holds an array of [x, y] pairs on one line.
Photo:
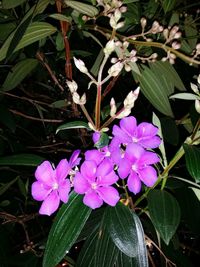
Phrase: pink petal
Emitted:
{"points": [[94, 155], [96, 136], [134, 183], [128, 125], [116, 155], [124, 168], [151, 142], [62, 170], [39, 191], [146, 129], [50, 204], [104, 168], [45, 173], [121, 135], [109, 195], [74, 160], [148, 176], [134, 152], [88, 170], [148, 158], [109, 179], [81, 185], [63, 190], [92, 200]]}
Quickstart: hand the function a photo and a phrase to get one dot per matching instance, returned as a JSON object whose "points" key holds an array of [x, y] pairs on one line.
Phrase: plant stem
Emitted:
{"points": [[87, 115]]}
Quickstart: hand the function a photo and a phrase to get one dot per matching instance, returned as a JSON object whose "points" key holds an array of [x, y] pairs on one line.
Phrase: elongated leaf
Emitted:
{"points": [[105, 251], [5, 187], [166, 70], [83, 8], [164, 212], [126, 231], [95, 68], [66, 228], [168, 5], [192, 156], [18, 73], [155, 91], [7, 4], [73, 125], [60, 17], [21, 160], [35, 32], [185, 96]]}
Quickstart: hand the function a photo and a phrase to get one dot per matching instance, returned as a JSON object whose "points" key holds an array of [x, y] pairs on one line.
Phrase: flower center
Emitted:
{"points": [[134, 167], [134, 139], [55, 186], [94, 186]]}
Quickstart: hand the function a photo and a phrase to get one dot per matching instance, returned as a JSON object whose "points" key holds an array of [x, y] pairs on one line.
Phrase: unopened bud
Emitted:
{"points": [[124, 113], [176, 45], [79, 101], [197, 105], [115, 69], [80, 65], [131, 98], [113, 107], [72, 86], [194, 88], [117, 15], [109, 48], [198, 79], [143, 22]]}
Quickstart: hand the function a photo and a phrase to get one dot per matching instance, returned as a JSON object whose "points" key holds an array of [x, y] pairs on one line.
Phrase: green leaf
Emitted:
{"points": [[83, 8], [155, 91], [164, 212], [185, 96], [35, 32], [21, 160], [168, 5], [170, 130], [192, 156], [18, 73], [7, 4], [5, 187], [103, 141], [67, 226], [191, 31], [126, 231], [60, 17], [73, 125], [95, 68]]}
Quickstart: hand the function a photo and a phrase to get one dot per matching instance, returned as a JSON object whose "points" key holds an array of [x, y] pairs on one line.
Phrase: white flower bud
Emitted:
{"points": [[76, 98], [143, 22], [115, 69], [194, 88], [198, 79], [124, 113], [176, 45], [113, 108], [109, 48], [131, 98], [117, 15], [80, 65], [119, 25], [197, 105], [72, 86]]}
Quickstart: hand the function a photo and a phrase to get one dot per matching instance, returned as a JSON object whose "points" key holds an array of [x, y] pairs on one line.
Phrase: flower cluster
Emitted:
{"points": [[127, 156]]}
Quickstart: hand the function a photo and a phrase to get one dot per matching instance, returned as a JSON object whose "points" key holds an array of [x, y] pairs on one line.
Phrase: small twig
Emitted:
{"points": [[34, 118], [109, 86]]}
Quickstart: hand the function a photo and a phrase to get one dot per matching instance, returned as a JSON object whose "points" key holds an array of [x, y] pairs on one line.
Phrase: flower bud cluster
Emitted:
{"points": [[128, 105], [171, 35], [75, 96], [170, 56], [197, 51]]}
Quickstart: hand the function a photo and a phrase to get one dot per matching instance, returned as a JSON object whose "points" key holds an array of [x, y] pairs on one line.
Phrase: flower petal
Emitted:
{"points": [[116, 155], [39, 191], [134, 152], [96, 136], [148, 158], [94, 155], [150, 142], [109, 195], [121, 135], [104, 168], [134, 183], [45, 173], [109, 179], [92, 200], [124, 168], [81, 185], [74, 160], [62, 170], [63, 190], [128, 125], [146, 129], [88, 170], [50, 204], [148, 176]]}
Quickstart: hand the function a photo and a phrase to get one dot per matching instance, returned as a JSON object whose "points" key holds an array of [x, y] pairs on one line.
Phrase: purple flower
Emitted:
{"points": [[145, 134], [135, 164], [95, 180], [52, 186]]}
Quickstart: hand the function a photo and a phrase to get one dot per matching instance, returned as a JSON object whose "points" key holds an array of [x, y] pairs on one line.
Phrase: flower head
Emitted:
{"points": [[145, 134], [95, 180], [136, 165], [52, 186]]}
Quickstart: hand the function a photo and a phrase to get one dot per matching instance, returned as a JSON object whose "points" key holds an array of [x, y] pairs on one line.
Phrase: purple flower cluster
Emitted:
{"points": [[127, 156]]}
